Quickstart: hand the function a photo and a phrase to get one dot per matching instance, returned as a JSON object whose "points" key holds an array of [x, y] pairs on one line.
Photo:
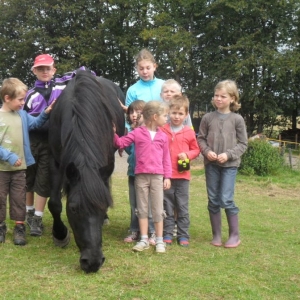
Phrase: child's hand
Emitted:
{"points": [[222, 158], [49, 108], [212, 156], [18, 163], [123, 106], [167, 184], [182, 156]]}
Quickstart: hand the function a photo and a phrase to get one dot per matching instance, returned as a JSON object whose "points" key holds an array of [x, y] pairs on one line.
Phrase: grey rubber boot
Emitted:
{"points": [[216, 223], [234, 237]]}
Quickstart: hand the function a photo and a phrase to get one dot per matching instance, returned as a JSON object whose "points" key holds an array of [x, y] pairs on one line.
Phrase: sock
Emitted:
{"points": [[159, 239], [144, 238], [29, 207], [38, 213], [19, 222]]}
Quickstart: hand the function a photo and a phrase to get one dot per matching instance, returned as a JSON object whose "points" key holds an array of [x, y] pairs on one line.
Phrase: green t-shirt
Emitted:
{"points": [[11, 138]]}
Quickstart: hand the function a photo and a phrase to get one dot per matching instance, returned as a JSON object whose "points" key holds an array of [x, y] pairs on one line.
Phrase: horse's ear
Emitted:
{"points": [[72, 173]]}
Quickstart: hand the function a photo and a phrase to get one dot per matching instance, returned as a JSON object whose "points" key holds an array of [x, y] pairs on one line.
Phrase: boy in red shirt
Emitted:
{"points": [[183, 148]]}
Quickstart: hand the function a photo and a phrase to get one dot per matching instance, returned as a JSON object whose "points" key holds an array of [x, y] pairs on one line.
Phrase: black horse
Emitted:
{"points": [[82, 161]]}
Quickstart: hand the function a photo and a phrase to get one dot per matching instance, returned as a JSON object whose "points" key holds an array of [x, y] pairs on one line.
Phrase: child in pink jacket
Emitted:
{"points": [[152, 172]]}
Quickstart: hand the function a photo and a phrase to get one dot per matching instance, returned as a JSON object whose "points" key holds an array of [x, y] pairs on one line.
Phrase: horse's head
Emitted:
{"points": [[86, 219]]}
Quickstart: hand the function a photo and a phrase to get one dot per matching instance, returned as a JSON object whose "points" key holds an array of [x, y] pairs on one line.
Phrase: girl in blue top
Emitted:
{"points": [[148, 87]]}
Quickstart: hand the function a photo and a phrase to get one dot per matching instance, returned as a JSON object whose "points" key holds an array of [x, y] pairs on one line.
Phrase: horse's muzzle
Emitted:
{"points": [[89, 266]]}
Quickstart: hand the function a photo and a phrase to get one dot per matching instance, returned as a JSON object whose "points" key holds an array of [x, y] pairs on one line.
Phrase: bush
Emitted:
{"points": [[261, 159]]}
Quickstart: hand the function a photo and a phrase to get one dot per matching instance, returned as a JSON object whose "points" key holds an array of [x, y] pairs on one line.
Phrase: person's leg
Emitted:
{"points": [[216, 223], [36, 225], [213, 181], [157, 207], [30, 178], [30, 199], [17, 209], [142, 195], [182, 208], [160, 246], [151, 228], [134, 221], [4, 190], [169, 221], [143, 222], [40, 203], [227, 196], [234, 235], [41, 188], [143, 244]]}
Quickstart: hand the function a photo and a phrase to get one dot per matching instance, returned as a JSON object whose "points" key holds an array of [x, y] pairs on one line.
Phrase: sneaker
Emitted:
{"points": [[19, 235], [29, 216], [184, 242], [141, 246], [152, 239], [160, 248], [36, 228], [168, 240], [3, 231], [132, 237]]}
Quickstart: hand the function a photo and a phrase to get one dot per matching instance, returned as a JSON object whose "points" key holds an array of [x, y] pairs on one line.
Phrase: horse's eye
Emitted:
{"points": [[73, 208]]}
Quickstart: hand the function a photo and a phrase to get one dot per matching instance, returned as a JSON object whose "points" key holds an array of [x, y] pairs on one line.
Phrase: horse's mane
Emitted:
{"points": [[88, 150]]}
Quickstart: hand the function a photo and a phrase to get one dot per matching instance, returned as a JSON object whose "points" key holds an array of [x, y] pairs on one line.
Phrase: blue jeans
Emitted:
{"points": [[220, 183]]}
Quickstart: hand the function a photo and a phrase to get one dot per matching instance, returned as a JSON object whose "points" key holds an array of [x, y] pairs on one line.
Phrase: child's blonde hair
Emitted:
{"points": [[154, 107], [230, 87], [171, 82], [144, 54], [12, 87], [135, 105], [178, 101]]}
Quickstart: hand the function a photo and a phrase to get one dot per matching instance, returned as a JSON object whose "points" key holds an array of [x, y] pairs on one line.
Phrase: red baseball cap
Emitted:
{"points": [[43, 60]]}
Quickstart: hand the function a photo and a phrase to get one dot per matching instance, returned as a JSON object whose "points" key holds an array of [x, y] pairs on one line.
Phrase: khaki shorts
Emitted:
{"points": [[150, 186]]}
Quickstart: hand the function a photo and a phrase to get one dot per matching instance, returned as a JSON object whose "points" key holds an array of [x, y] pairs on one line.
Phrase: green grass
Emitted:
{"points": [[265, 266]]}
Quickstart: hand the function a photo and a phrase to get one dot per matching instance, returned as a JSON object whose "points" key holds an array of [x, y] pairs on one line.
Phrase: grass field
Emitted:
{"points": [[265, 266]]}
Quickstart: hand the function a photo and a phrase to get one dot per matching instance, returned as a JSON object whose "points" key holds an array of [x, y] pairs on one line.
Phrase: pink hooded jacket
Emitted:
{"points": [[152, 156]]}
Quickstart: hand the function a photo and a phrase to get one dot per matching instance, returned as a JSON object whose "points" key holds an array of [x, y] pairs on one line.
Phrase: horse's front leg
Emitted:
{"points": [[60, 232]]}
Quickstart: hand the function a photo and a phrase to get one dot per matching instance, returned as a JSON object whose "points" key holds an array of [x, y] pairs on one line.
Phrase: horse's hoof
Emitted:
{"points": [[62, 243]]}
